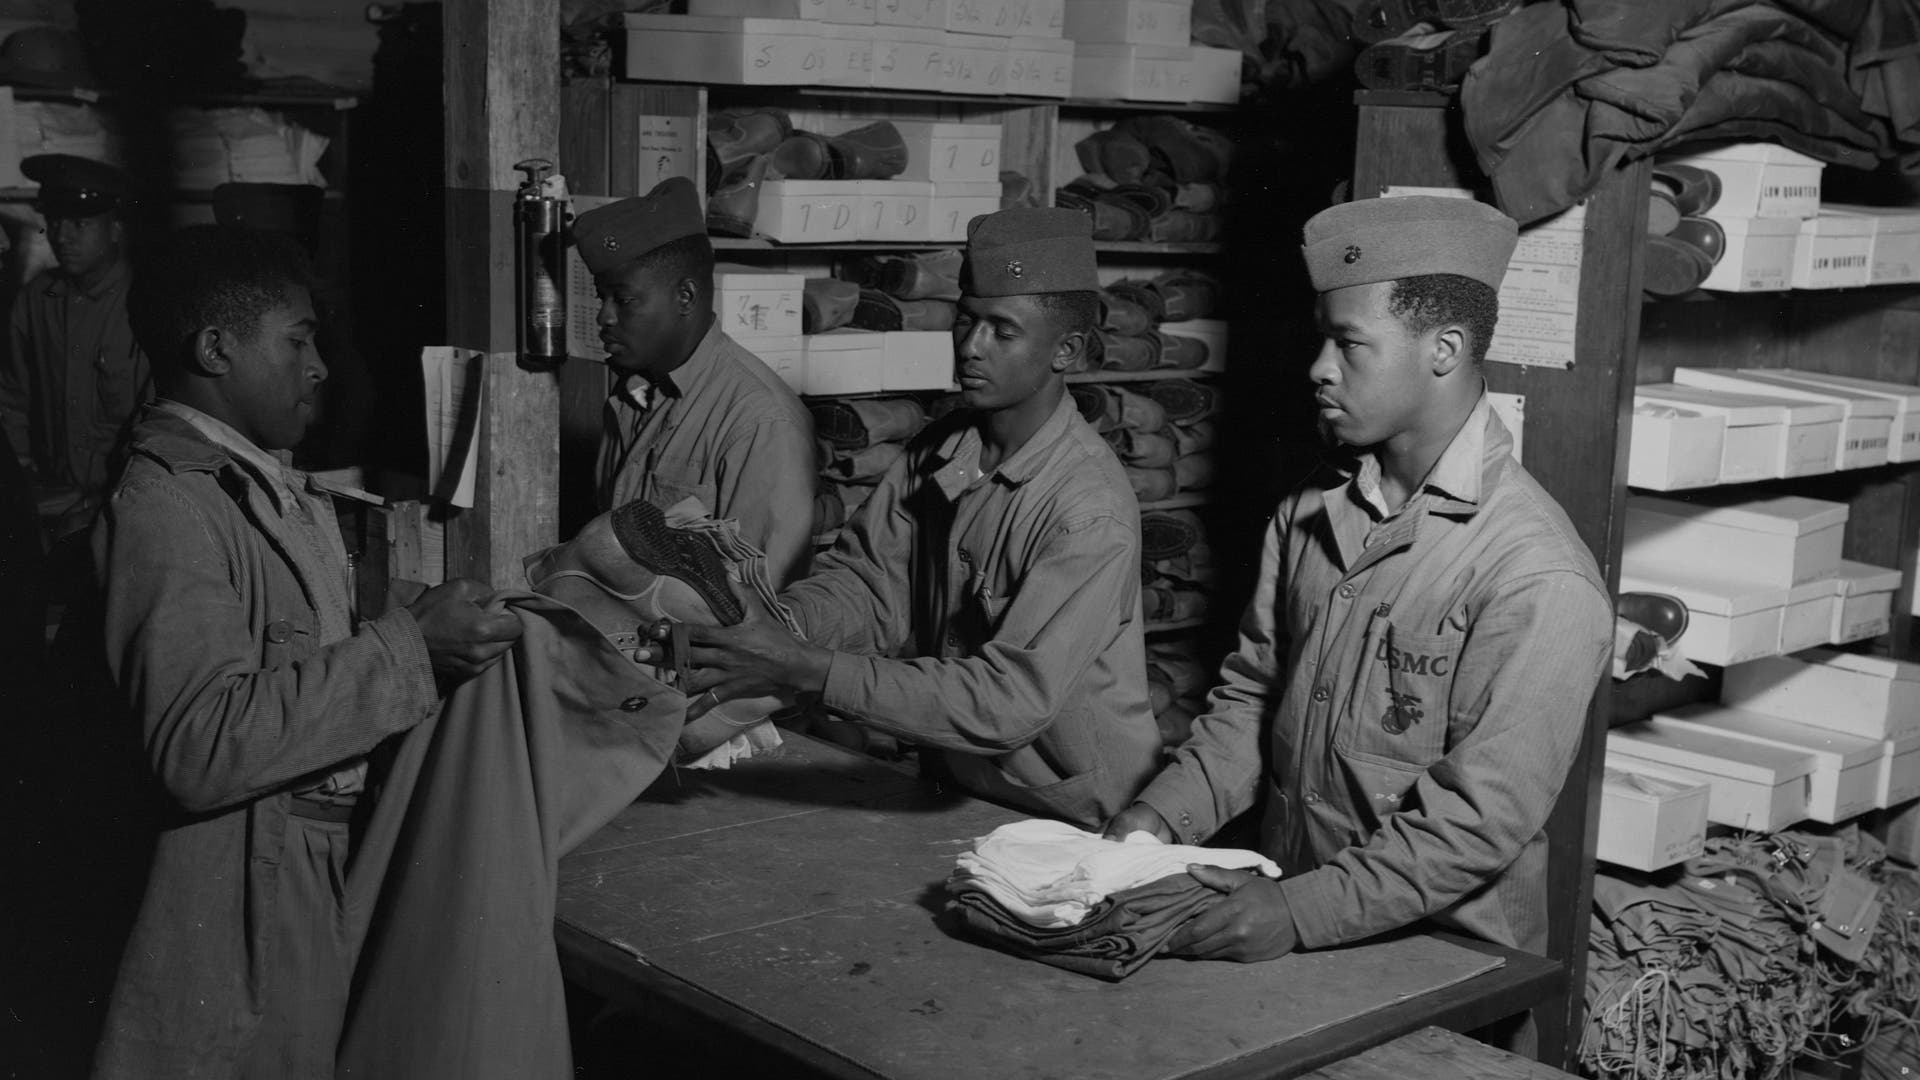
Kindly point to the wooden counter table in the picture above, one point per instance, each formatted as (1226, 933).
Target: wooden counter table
(786, 914)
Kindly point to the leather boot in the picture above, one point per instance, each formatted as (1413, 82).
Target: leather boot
(873, 152)
(733, 208)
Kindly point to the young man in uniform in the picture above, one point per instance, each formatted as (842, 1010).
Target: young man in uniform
(694, 414)
(984, 603)
(229, 630)
(74, 374)
(1414, 670)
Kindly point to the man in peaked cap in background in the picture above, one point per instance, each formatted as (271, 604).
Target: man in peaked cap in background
(74, 374)
(984, 603)
(1426, 635)
(694, 413)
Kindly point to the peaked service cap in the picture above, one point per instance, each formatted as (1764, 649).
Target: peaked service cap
(1026, 250)
(75, 187)
(623, 231)
(1383, 239)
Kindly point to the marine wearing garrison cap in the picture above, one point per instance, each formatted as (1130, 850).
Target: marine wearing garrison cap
(1371, 240)
(620, 232)
(1024, 251)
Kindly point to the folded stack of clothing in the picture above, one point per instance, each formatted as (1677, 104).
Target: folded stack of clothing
(1413, 45)
(1156, 178)
(1728, 967)
(859, 439)
(1070, 898)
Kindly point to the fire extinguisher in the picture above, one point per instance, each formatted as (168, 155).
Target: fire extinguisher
(539, 215)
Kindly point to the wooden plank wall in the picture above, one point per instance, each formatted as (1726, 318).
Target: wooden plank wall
(502, 69)
(1575, 445)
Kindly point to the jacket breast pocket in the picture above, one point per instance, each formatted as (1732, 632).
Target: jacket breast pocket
(1397, 714)
(671, 481)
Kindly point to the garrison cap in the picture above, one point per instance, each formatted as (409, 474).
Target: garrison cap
(75, 187)
(1026, 250)
(623, 231)
(1383, 239)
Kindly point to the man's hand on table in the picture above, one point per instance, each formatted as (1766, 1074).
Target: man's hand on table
(1139, 818)
(1251, 920)
(756, 657)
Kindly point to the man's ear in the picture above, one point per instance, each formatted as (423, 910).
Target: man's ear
(686, 297)
(208, 356)
(1449, 348)
(1068, 351)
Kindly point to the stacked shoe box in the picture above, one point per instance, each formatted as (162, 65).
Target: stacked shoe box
(1868, 698)
(1649, 821)
(1766, 193)
(858, 180)
(1830, 426)
(761, 311)
(1893, 254)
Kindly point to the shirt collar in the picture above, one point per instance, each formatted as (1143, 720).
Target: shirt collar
(115, 277)
(962, 447)
(1458, 476)
(696, 369)
(277, 475)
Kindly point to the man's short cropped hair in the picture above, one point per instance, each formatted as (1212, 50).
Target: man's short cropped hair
(1431, 300)
(687, 257)
(1078, 311)
(210, 275)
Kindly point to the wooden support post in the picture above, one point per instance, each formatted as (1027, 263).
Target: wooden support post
(502, 71)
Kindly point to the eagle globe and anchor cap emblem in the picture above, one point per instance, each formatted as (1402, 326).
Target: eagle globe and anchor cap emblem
(1015, 269)
(1353, 253)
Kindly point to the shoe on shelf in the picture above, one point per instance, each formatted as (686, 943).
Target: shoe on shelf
(734, 207)
(1423, 58)
(1115, 153)
(1379, 20)
(1704, 233)
(1189, 153)
(802, 155)
(827, 304)
(1017, 190)
(873, 152)
(878, 311)
(1122, 315)
(733, 137)
(1657, 612)
(1693, 190)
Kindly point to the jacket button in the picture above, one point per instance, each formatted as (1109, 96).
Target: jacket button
(1346, 591)
(1320, 693)
(1383, 611)
(280, 631)
(633, 704)
(966, 556)
(1313, 796)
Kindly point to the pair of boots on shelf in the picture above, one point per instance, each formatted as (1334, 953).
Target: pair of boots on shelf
(1162, 432)
(1155, 178)
(1128, 337)
(1422, 44)
(908, 292)
(1683, 243)
(747, 148)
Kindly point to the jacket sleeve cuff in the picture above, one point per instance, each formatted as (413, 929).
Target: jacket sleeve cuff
(402, 637)
(844, 691)
(1191, 823)
(1313, 916)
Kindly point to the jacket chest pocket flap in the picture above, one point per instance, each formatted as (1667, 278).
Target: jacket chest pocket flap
(1397, 713)
(285, 640)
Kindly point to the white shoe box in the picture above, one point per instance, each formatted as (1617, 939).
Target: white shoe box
(1131, 22)
(1755, 447)
(1896, 242)
(1040, 67)
(847, 53)
(993, 18)
(1132, 72)
(1777, 542)
(1866, 426)
(752, 303)
(957, 203)
(894, 210)
(1759, 255)
(1673, 447)
(916, 14)
(1728, 622)
(785, 354)
(1649, 821)
(845, 362)
(1835, 252)
(909, 57)
(852, 12)
(975, 64)
(1813, 425)
(1846, 768)
(1903, 438)
(942, 151)
(719, 49)
(1216, 75)
(1899, 780)
(1753, 786)
(809, 211)
(1868, 696)
(1761, 180)
(1806, 619)
(917, 360)
(1862, 602)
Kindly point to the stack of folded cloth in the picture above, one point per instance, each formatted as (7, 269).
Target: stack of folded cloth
(1054, 893)
(1162, 432)
(1154, 178)
(859, 439)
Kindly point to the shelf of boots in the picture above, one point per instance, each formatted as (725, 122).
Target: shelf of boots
(766, 94)
(1116, 247)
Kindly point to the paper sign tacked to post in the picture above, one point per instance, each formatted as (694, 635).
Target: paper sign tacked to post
(1540, 296)
(664, 146)
(455, 380)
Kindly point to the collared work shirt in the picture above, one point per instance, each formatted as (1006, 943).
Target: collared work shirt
(724, 429)
(996, 618)
(72, 379)
(1411, 689)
